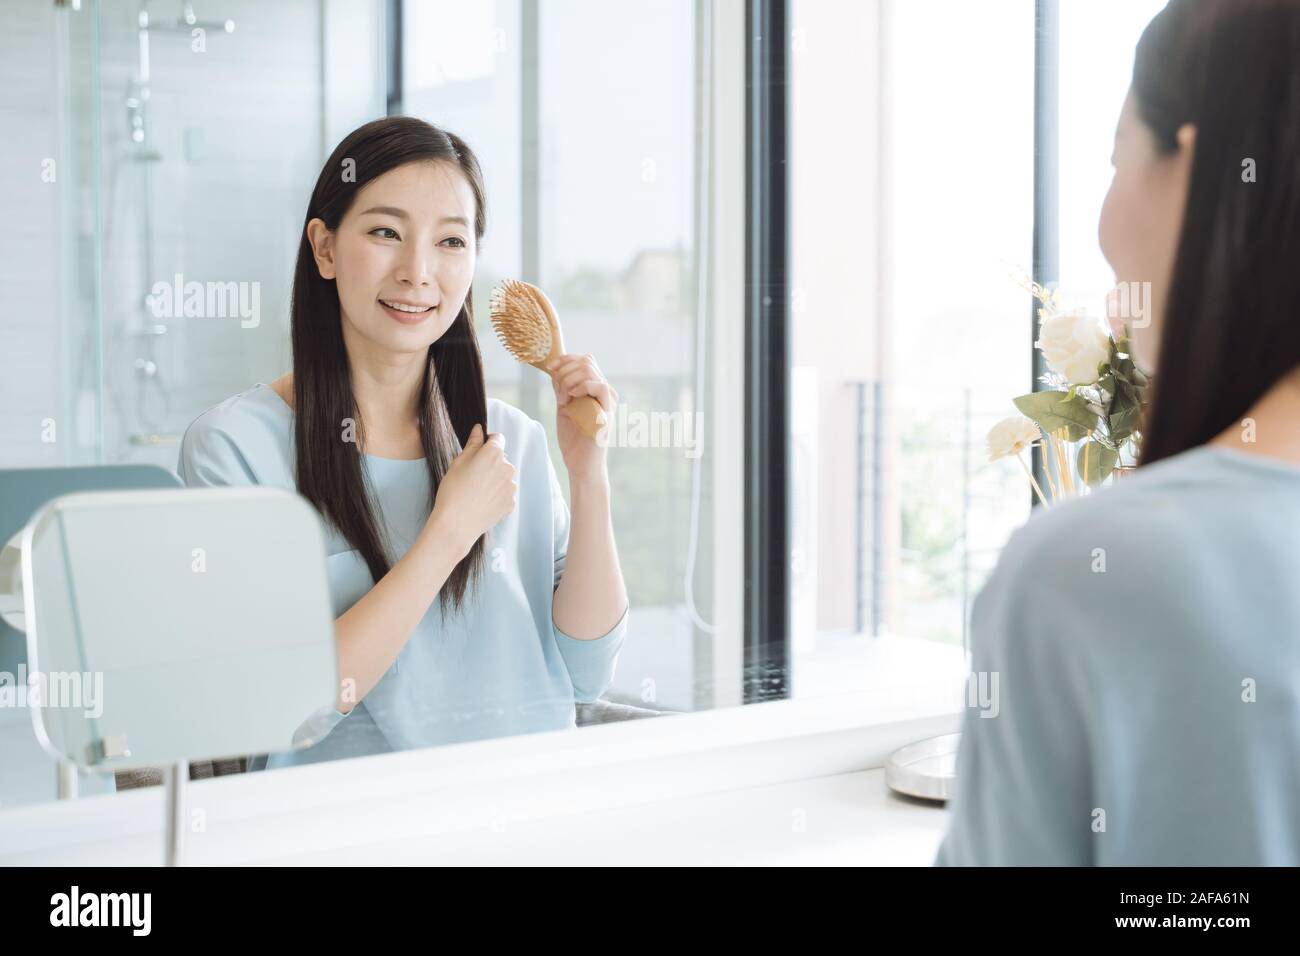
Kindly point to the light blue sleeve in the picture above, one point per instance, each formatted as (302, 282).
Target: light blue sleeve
(1023, 790)
(317, 727)
(211, 457)
(590, 663)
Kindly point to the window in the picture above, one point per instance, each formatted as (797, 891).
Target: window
(911, 172)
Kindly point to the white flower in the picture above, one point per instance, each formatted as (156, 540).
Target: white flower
(1074, 344)
(1011, 436)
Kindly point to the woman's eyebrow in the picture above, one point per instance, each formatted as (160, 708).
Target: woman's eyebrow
(402, 214)
(387, 211)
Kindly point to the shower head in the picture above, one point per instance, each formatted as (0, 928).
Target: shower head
(185, 26)
(185, 23)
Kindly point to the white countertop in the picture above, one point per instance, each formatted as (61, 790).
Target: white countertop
(847, 819)
(787, 782)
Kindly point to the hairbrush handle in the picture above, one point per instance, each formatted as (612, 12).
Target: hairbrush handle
(585, 412)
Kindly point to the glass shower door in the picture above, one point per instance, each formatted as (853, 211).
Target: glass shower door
(194, 133)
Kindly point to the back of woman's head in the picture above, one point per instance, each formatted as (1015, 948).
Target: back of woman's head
(1231, 321)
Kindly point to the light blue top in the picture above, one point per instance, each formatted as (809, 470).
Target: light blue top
(497, 667)
(1146, 641)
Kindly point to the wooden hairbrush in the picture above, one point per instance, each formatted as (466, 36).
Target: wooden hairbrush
(526, 323)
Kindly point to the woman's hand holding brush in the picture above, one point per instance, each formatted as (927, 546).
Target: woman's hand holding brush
(528, 326)
(578, 377)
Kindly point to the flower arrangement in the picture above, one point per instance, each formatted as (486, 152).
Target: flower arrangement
(1090, 413)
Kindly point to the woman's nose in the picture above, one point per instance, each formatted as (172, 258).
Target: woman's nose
(416, 268)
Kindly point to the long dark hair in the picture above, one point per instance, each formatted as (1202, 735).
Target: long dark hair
(1232, 315)
(453, 399)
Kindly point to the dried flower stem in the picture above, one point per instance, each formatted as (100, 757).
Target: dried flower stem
(1086, 448)
(1030, 475)
(1067, 479)
(1048, 458)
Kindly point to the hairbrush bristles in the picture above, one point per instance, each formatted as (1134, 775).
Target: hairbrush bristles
(526, 323)
(520, 322)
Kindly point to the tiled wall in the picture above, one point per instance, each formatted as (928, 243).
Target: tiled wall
(31, 334)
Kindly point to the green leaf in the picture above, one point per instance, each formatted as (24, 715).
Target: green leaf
(1124, 419)
(1122, 395)
(1053, 410)
(1101, 461)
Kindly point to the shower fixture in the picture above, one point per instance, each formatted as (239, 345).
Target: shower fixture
(152, 414)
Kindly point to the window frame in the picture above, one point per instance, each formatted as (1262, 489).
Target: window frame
(767, 350)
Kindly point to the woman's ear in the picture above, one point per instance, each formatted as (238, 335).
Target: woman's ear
(322, 247)
(1182, 159)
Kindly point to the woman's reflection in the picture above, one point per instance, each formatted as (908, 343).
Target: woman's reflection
(429, 489)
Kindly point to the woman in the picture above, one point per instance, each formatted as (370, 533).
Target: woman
(428, 489)
(1147, 638)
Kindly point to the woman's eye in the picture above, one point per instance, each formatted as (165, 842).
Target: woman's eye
(459, 243)
(385, 229)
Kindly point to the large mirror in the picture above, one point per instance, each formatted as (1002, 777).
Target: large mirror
(260, 246)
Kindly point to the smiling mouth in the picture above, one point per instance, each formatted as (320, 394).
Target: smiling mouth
(406, 307)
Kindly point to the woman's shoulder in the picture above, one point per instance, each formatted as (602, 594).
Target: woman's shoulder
(1168, 571)
(1152, 533)
(255, 411)
(1078, 577)
(1150, 509)
(1101, 508)
(513, 423)
(244, 438)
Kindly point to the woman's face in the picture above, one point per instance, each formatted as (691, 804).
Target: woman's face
(408, 240)
(1140, 223)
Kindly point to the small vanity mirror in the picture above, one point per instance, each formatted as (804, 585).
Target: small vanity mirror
(172, 625)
